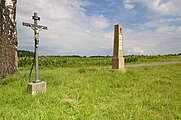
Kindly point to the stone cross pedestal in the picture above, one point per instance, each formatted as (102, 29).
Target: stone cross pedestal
(118, 59)
(36, 88)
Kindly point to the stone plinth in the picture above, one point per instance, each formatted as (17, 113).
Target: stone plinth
(118, 63)
(35, 88)
(118, 59)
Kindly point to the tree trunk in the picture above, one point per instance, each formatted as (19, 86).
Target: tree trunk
(8, 38)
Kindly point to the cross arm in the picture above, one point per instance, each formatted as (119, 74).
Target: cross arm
(26, 24)
(38, 26)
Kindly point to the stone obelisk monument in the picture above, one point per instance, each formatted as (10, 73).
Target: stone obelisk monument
(118, 59)
(8, 38)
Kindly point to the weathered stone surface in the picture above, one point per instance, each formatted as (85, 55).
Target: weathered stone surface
(8, 38)
(118, 59)
(118, 63)
(35, 88)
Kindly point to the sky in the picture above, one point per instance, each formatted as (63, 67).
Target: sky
(85, 27)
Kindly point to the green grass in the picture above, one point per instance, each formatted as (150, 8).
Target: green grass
(152, 59)
(95, 93)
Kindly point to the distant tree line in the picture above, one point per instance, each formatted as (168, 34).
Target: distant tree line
(25, 53)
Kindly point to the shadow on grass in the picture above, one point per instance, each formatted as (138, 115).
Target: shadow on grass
(9, 79)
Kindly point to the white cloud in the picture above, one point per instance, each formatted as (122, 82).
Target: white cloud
(178, 30)
(99, 22)
(128, 5)
(137, 51)
(70, 30)
(156, 7)
(159, 32)
(162, 39)
(161, 7)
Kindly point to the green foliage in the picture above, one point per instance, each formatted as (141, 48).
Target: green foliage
(149, 59)
(65, 62)
(93, 61)
(129, 59)
(25, 53)
(95, 93)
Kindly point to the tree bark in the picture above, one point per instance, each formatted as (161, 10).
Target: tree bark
(8, 38)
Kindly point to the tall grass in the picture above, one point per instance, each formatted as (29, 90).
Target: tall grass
(95, 93)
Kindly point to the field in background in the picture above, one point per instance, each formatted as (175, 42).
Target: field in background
(77, 61)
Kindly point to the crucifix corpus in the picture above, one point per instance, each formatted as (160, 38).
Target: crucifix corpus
(37, 85)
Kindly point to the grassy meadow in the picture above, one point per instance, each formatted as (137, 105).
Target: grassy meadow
(94, 93)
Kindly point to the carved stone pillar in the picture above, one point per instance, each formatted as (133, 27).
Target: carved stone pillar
(118, 59)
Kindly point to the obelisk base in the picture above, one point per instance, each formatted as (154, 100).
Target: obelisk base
(35, 88)
(118, 63)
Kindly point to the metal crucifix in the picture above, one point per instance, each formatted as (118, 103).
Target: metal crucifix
(36, 28)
